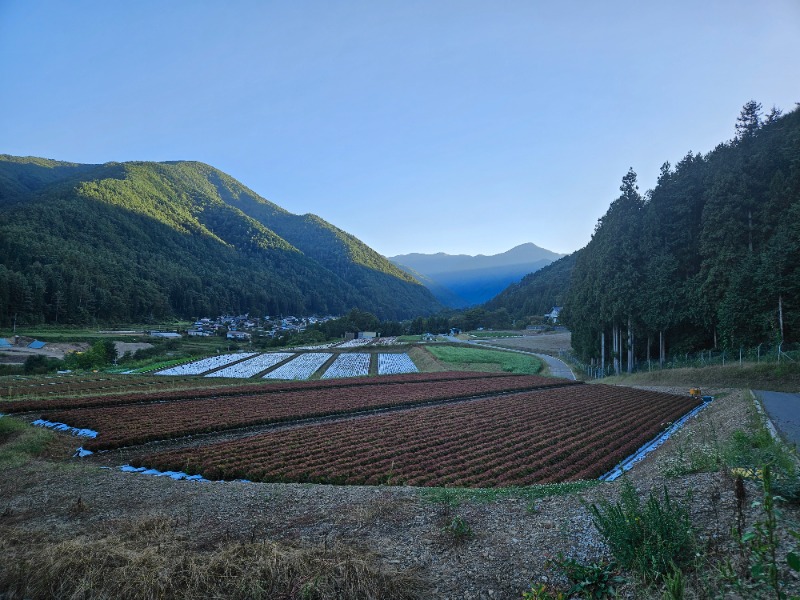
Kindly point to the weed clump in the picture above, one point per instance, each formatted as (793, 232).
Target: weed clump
(651, 539)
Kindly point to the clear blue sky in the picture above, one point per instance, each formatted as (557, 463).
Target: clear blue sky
(418, 126)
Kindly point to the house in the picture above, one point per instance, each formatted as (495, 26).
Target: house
(164, 334)
(238, 335)
(552, 316)
(366, 335)
(199, 333)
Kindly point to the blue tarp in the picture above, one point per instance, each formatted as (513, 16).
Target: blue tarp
(36, 344)
(4, 343)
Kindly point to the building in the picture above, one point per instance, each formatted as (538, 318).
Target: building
(238, 335)
(552, 316)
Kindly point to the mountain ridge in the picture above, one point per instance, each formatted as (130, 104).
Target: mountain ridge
(137, 240)
(462, 280)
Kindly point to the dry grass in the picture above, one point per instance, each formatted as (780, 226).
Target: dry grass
(768, 376)
(149, 558)
(425, 361)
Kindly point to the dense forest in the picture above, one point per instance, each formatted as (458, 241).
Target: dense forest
(709, 258)
(141, 242)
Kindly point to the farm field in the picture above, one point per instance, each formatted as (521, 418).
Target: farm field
(546, 436)
(61, 386)
(482, 359)
(131, 424)
(135, 390)
(348, 365)
(301, 366)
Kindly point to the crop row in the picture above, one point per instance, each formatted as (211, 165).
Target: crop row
(348, 365)
(206, 364)
(355, 343)
(391, 364)
(252, 366)
(210, 390)
(136, 423)
(73, 385)
(570, 433)
(301, 367)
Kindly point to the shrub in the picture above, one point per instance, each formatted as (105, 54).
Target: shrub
(458, 529)
(595, 580)
(650, 539)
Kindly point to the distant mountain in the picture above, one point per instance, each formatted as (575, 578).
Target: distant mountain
(537, 292)
(463, 280)
(139, 241)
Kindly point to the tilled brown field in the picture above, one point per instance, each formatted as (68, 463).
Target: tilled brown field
(394, 541)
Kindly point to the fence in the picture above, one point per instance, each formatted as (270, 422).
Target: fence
(761, 353)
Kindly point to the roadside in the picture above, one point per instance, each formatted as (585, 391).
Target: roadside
(784, 411)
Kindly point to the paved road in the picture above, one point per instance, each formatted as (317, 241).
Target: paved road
(558, 368)
(784, 411)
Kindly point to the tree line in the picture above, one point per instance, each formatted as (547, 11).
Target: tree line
(709, 258)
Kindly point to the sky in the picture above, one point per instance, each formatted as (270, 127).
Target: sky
(428, 126)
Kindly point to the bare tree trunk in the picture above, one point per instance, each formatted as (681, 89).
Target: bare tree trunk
(780, 315)
(603, 351)
(661, 352)
(630, 347)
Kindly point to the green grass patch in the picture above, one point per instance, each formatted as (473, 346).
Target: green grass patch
(479, 359)
(494, 334)
(455, 496)
(409, 338)
(20, 442)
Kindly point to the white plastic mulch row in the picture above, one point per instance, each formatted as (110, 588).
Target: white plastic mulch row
(170, 474)
(348, 365)
(302, 367)
(394, 364)
(355, 343)
(207, 364)
(628, 463)
(318, 346)
(387, 341)
(252, 366)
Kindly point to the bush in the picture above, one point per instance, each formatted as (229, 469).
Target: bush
(651, 540)
(595, 580)
(38, 364)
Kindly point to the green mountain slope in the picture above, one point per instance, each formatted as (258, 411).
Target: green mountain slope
(135, 241)
(537, 292)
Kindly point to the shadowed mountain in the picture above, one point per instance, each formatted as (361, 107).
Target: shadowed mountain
(463, 280)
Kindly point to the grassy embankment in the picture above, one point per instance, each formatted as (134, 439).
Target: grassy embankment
(780, 377)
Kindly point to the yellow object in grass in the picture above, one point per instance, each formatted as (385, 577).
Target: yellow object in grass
(747, 473)
(695, 392)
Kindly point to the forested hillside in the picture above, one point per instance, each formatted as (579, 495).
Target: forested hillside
(125, 242)
(710, 258)
(537, 292)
